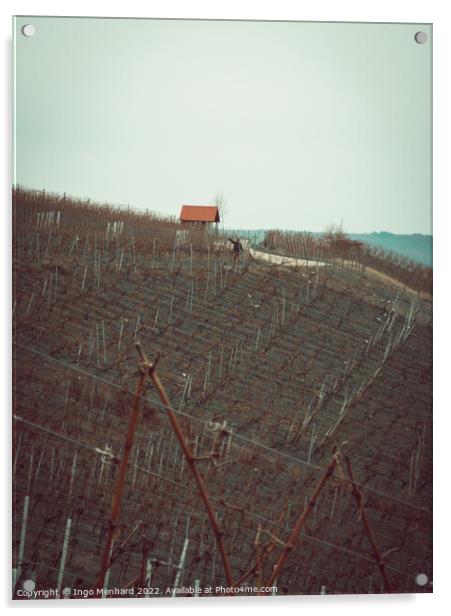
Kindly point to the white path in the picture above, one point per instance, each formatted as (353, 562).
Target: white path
(281, 260)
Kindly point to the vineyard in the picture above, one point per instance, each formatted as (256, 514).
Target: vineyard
(183, 419)
(335, 246)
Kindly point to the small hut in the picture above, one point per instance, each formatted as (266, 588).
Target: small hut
(201, 215)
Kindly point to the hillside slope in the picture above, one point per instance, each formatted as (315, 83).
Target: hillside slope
(270, 370)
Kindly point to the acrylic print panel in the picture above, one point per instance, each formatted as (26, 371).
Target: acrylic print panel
(222, 308)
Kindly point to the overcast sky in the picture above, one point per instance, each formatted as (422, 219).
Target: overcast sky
(299, 124)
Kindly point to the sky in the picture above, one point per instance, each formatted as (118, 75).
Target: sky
(299, 125)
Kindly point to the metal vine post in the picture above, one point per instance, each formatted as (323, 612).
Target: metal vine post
(120, 482)
(360, 505)
(291, 542)
(191, 460)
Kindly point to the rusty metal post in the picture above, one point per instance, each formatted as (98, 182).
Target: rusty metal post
(301, 521)
(360, 505)
(190, 458)
(120, 481)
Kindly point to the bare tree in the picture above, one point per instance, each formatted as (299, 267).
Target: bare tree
(335, 232)
(221, 204)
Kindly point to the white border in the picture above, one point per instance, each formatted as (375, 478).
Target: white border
(424, 11)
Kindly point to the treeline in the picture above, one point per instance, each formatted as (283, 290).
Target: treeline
(336, 246)
(409, 272)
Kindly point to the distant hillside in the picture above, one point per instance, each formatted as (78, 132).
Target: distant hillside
(416, 246)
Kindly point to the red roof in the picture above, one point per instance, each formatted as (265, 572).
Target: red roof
(199, 213)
